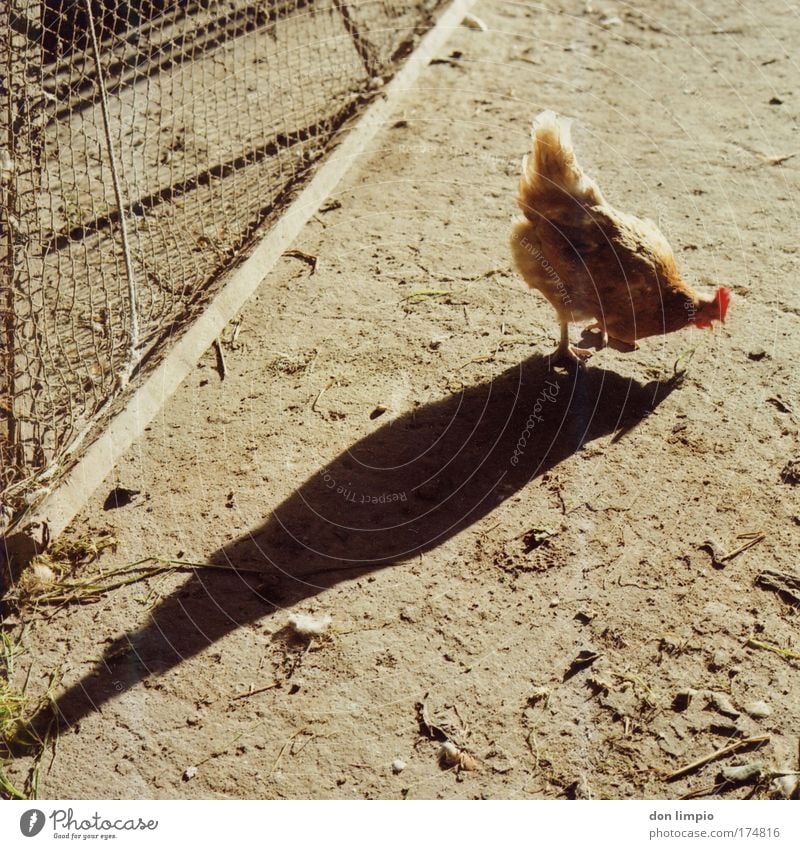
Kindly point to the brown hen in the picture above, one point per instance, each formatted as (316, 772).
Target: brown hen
(592, 261)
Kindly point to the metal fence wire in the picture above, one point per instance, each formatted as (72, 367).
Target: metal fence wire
(144, 142)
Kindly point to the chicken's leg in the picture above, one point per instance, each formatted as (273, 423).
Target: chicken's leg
(567, 354)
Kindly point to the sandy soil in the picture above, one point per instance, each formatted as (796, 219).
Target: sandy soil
(544, 614)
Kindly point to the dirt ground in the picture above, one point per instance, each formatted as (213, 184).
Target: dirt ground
(548, 615)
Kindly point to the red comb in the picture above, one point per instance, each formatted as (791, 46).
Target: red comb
(723, 299)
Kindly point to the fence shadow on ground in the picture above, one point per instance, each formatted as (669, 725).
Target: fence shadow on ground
(399, 492)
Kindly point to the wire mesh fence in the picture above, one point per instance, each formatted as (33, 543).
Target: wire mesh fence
(144, 144)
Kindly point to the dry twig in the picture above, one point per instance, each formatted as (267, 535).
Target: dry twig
(753, 643)
(248, 693)
(719, 753)
(221, 367)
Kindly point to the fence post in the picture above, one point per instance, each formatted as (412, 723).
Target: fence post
(7, 205)
(364, 48)
(133, 352)
(21, 151)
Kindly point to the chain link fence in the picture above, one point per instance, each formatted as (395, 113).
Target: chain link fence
(145, 143)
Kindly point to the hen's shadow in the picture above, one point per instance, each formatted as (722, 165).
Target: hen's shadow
(404, 489)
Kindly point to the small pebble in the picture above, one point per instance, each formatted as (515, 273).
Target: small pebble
(398, 766)
(740, 774)
(757, 354)
(409, 614)
(189, 773)
(468, 763)
(42, 573)
(449, 752)
(474, 22)
(758, 710)
(719, 660)
(723, 704)
(788, 785)
(451, 755)
(378, 411)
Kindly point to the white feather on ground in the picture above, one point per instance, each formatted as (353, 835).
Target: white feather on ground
(309, 626)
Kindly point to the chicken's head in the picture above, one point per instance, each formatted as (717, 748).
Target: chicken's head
(714, 309)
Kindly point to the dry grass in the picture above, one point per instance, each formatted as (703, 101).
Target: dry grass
(17, 711)
(57, 578)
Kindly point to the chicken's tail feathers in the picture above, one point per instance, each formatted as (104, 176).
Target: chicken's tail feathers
(551, 174)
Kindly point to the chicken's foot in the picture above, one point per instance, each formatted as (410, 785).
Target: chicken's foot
(598, 325)
(566, 354)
